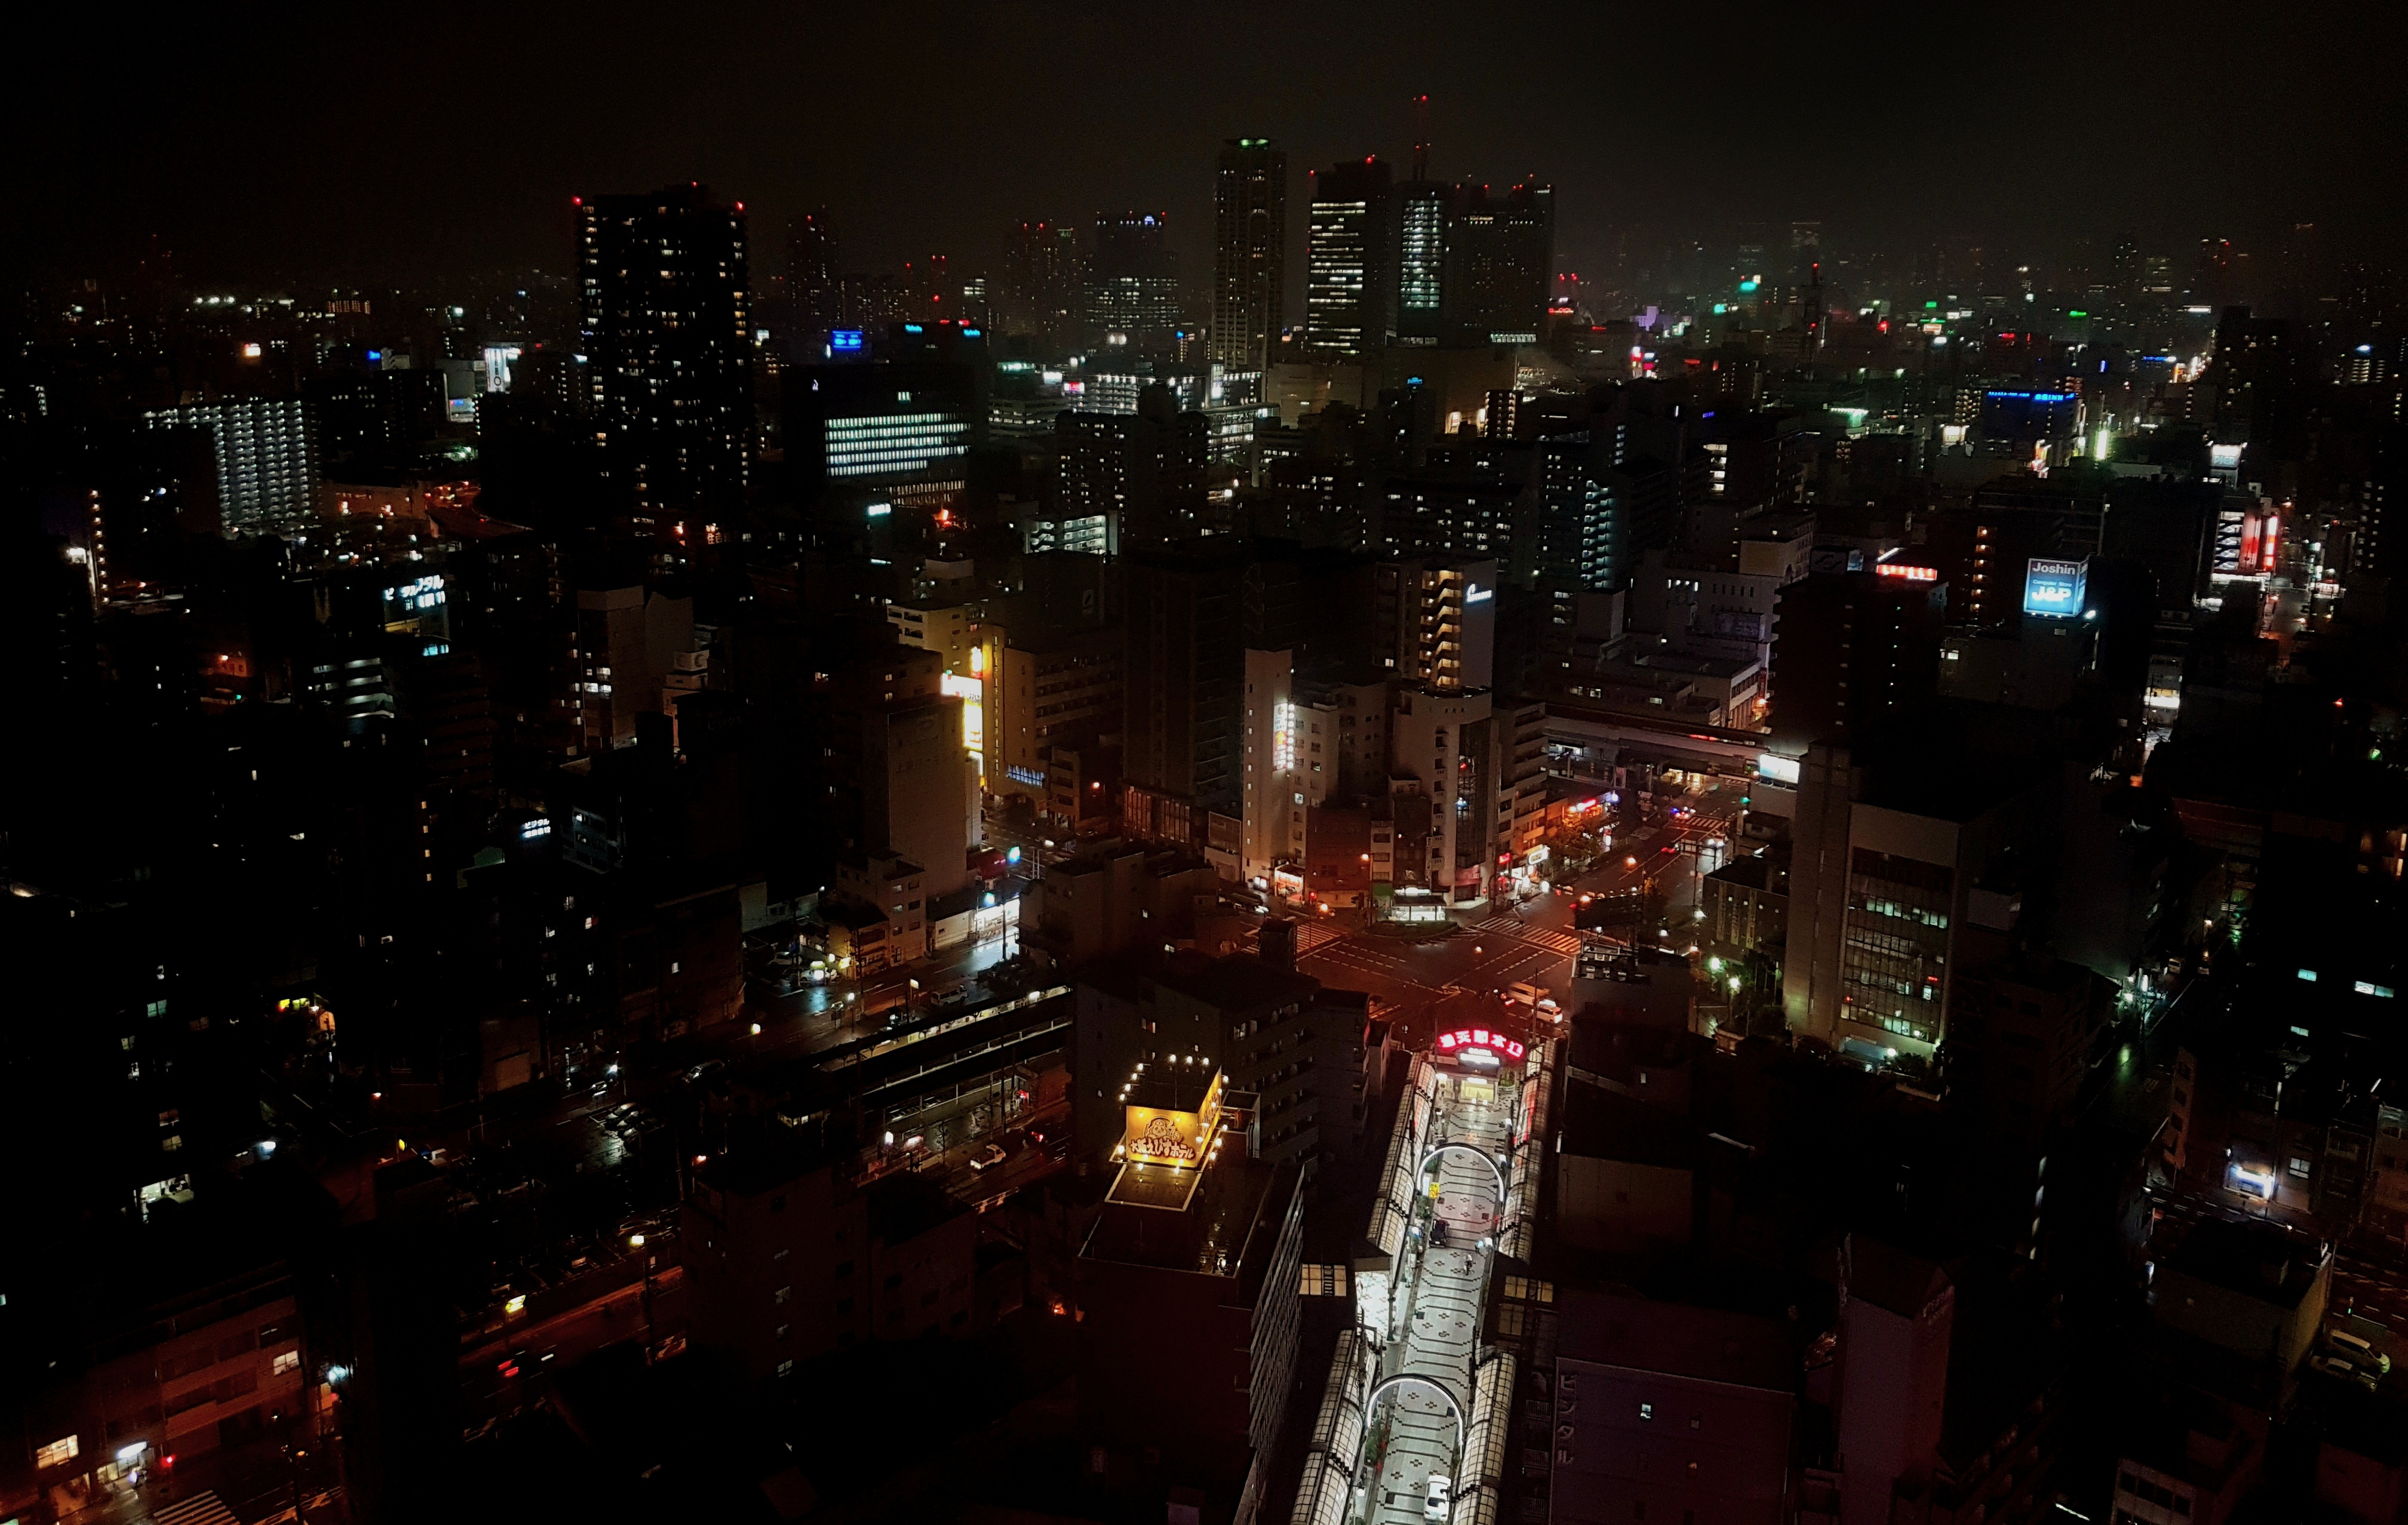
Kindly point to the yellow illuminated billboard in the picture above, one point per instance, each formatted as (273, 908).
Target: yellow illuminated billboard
(1160, 1135)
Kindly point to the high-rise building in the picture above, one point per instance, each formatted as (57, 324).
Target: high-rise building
(1422, 207)
(1435, 621)
(1142, 473)
(267, 469)
(903, 424)
(1347, 304)
(1249, 252)
(1132, 288)
(814, 290)
(1040, 293)
(1853, 649)
(1193, 612)
(667, 332)
(1499, 265)
(1887, 897)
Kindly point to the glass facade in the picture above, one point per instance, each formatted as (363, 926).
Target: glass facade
(1896, 952)
(894, 444)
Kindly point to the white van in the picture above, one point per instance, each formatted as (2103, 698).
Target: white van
(1522, 992)
(1440, 1487)
(2359, 1349)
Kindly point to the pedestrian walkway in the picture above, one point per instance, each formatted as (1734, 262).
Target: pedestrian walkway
(1555, 940)
(202, 1508)
(1441, 1334)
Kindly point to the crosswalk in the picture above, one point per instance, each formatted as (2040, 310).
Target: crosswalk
(1312, 935)
(1554, 939)
(202, 1508)
(1308, 935)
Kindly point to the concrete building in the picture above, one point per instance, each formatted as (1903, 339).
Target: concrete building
(1892, 868)
(1348, 306)
(1249, 252)
(628, 640)
(1853, 651)
(667, 332)
(1047, 691)
(1666, 1411)
(790, 1260)
(265, 455)
(1188, 1283)
(1275, 1033)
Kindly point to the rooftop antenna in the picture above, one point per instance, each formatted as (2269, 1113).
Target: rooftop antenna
(1421, 137)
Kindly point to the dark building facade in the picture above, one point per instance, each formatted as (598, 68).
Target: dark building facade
(667, 329)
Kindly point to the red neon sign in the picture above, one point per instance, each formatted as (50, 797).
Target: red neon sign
(1478, 1037)
(1911, 574)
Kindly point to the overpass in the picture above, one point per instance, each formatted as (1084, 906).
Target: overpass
(1702, 748)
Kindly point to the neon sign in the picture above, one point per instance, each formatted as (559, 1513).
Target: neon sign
(2054, 587)
(845, 341)
(1283, 737)
(1911, 574)
(1481, 1038)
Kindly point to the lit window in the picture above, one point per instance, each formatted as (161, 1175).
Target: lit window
(285, 1362)
(58, 1453)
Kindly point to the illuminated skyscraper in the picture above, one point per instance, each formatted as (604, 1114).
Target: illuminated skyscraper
(1420, 217)
(1132, 284)
(266, 472)
(1347, 309)
(667, 334)
(1249, 252)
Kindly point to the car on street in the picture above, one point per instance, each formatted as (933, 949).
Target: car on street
(2358, 1349)
(1434, 1503)
(2347, 1370)
(988, 1157)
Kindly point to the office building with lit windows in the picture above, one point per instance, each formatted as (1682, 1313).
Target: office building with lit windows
(266, 465)
(666, 332)
(1499, 265)
(1895, 865)
(1422, 209)
(1132, 285)
(904, 424)
(1346, 285)
(1249, 252)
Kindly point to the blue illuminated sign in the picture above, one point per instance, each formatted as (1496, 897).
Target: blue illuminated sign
(969, 333)
(376, 354)
(844, 340)
(2053, 589)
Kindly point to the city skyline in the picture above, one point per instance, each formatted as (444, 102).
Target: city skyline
(1235, 766)
(1651, 134)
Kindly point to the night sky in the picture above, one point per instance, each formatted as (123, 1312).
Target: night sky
(382, 143)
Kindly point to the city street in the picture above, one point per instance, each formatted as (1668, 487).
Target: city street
(1432, 986)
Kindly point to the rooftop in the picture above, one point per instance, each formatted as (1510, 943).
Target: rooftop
(2253, 1258)
(1234, 1212)
(1706, 1345)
